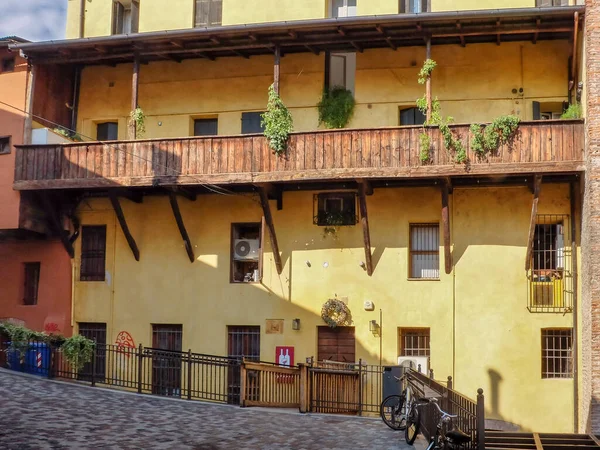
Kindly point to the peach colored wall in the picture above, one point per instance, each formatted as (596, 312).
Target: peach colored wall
(12, 91)
(54, 291)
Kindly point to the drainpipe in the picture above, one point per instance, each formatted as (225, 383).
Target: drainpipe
(574, 203)
(81, 18)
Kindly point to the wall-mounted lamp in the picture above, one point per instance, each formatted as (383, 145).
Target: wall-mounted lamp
(374, 327)
(296, 324)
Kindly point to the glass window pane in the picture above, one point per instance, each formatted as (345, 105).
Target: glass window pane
(337, 71)
(425, 266)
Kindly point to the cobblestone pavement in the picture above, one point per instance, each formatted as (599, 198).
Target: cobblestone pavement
(36, 413)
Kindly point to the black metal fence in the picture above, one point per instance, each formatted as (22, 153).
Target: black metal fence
(146, 370)
(471, 414)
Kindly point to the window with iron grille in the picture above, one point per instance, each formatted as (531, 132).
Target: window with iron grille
(557, 353)
(414, 341)
(424, 251)
(32, 280)
(93, 253)
(4, 145)
(209, 13)
(334, 209)
(550, 276)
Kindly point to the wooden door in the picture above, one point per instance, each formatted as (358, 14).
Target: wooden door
(166, 359)
(336, 344)
(242, 342)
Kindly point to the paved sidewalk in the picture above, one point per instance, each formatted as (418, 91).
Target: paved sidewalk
(41, 414)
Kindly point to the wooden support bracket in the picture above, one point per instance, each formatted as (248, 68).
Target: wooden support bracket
(183, 192)
(364, 219)
(133, 196)
(264, 202)
(54, 222)
(446, 225)
(114, 200)
(366, 184)
(184, 234)
(537, 185)
(276, 69)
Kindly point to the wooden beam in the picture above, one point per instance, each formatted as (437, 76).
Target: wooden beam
(182, 191)
(238, 53)
(276, 69)
(537, 184)
(356, 46)
(428, 82)
(184, 234)
(446, 225)
(114, 200)
(462, 37)
(54, 222)
(364, 219)
(133, 196)
(538, 442)
(536, 34)
(574, 59)
(366, 184)
(132, 131)
(313, 49)
(264, 202)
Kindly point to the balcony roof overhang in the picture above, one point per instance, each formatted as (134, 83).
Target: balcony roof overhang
(341, 34)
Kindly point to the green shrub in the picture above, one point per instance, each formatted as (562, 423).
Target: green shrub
(277, 122)
(336, 107)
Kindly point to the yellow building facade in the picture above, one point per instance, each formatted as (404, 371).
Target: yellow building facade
(479, 327)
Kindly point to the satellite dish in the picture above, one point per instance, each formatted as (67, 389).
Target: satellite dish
(242, 248)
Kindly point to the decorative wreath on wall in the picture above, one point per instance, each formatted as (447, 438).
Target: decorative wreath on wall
(336, 313)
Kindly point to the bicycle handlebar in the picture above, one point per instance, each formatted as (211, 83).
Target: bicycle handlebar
(442, 412)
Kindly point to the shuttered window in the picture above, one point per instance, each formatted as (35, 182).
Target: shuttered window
(411, 116)
(414, 6)
(32, 280)
(107, 131)
(252, 122)
(209, 13)
(206, 127)
(425, 251)
(93, 253)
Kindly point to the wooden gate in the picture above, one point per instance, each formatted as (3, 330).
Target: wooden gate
(335, 387)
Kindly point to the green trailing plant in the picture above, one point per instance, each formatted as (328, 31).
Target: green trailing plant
(574, 111)
(336, 107)
(333, 220)
(451, 142)
(77, 349)
(138, 118)
(68, 134)
(487, 139)
(277, 123)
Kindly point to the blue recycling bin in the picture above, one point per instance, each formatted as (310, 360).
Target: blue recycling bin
(13, 359)
(37, 359)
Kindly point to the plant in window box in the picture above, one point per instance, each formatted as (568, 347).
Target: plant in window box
(333, 220)
(336, 107)
(277, 122)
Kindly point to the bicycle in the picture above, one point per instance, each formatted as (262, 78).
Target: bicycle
(393, 408)
(447, 435)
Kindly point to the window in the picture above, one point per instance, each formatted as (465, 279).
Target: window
(125, 16)
(335, 209)
(414, 6)
(425, 251)
(107, 131)
(245, 253)
(252, 122)
(4, 145)
(32, 280)
(342, 67)
(557, 353)
(343, 8)
(546, 3)
(551, 281)
(93, 253)
(548, 110)
(206, 127)
(97, 333)
(414, 341)
(208, 13)
(8, 65)
(411, 116)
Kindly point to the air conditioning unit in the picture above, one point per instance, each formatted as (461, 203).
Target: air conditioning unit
(414, 361)
(246, 250)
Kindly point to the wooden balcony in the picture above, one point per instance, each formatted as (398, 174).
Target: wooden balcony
(380, 153)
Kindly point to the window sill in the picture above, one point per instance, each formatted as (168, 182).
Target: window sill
(423, 279)
(245, 282)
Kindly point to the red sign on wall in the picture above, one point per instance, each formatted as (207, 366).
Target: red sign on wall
(284, 356)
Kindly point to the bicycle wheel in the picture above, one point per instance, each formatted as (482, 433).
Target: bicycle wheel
(412, 425)
(393, 412)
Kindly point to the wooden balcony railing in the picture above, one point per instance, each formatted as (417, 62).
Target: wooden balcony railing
(538, 147)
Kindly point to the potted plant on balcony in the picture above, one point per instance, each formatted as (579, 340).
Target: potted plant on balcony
(336, 107)
(487, 139)
(277, 122)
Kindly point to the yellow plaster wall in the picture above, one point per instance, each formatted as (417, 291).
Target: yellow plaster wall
(241, 11)
(481, 306)
(98, 18)
(156, 15)
(473, 84)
